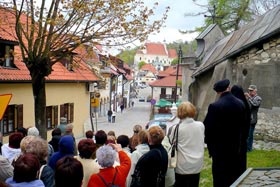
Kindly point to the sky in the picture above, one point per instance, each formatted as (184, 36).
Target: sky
(177, 21)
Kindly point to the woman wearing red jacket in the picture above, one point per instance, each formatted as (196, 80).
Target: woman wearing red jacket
(106, 156)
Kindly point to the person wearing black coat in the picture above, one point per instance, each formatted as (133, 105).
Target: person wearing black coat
(238, 92)
(223, 131)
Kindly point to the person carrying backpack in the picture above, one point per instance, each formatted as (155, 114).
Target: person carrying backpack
(151, 168)
(110, 176)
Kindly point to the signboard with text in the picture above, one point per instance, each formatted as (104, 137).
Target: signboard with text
(4, 102)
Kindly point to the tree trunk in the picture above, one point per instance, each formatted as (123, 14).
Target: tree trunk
(39, 93)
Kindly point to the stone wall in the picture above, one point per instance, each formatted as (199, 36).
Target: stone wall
(261, 65)
(267, 128)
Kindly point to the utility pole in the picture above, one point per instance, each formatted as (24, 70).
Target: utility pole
(177, 72)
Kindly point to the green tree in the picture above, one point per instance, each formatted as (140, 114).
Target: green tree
(50, 30)
(174, 61)
(231, 14)
(141, 64)
(127, 56)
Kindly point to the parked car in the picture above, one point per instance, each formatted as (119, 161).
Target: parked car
(157, 122)
(141, 99)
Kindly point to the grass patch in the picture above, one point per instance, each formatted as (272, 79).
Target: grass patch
(255, 159)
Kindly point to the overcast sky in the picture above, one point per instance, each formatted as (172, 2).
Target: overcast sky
(176, 20)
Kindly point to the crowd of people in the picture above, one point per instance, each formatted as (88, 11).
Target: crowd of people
(103, 159)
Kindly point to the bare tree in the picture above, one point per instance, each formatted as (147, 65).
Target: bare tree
(52, 30)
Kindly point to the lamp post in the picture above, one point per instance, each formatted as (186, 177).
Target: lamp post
(177, 69)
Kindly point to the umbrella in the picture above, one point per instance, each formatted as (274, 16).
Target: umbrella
(163, 103)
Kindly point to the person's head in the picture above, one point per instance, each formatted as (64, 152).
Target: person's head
(24, 142)
(56, 132)
(137, 128)
(39, 147)
(222, 86)
(111, 139)
(155, 135)
(106, 156)
(143, 137)
(252, 90)
(186, 110)
(123, 140)
(15, 139)
(69, 128)
(22, 130)
(86, 148)
(32, 131)
(66, 144)
(68, 172)
(111, 133)
(89, 134)
(238, 92)
(26, 168)
(63, 120)
(100, 137)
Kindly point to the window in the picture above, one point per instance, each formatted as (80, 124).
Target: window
(68, 62)
(12, 119)
(67, 111)
(7, 56)
(51, 117)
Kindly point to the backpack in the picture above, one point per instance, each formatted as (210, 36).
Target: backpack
(110, 184)
(137, 180)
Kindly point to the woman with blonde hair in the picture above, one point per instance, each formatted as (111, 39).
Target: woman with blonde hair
(190, 146)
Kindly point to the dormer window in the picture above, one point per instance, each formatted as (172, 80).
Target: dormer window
(68, 62)
(7, 56)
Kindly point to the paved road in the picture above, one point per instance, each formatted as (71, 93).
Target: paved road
(139, 114)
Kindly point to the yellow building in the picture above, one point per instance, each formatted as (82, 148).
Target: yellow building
(67, 88)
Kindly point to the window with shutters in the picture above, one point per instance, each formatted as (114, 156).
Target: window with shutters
(67, 111)
(51, 117)
(12, 119)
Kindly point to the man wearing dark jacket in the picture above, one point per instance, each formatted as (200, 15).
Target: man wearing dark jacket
(223, 124)
(254, 101)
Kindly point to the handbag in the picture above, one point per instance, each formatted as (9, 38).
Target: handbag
(172, 152)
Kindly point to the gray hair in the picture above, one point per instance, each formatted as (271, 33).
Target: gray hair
(106, 156)
(32, 131)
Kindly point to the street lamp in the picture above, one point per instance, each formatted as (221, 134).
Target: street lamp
(177, 69)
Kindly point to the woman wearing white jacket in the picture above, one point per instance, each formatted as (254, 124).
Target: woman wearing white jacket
(141, 149)
(190, 147)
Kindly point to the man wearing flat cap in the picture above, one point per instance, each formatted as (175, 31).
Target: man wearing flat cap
(223, 124)
(254, 101)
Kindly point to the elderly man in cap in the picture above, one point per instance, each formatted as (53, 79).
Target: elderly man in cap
(254, 101)
(223, 124)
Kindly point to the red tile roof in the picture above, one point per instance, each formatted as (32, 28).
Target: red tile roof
(165, 82)
(128, 77)
(155, 49)
(149, 67)
(81, 72)
(171, 70)
(158, 49)
(172, 53)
